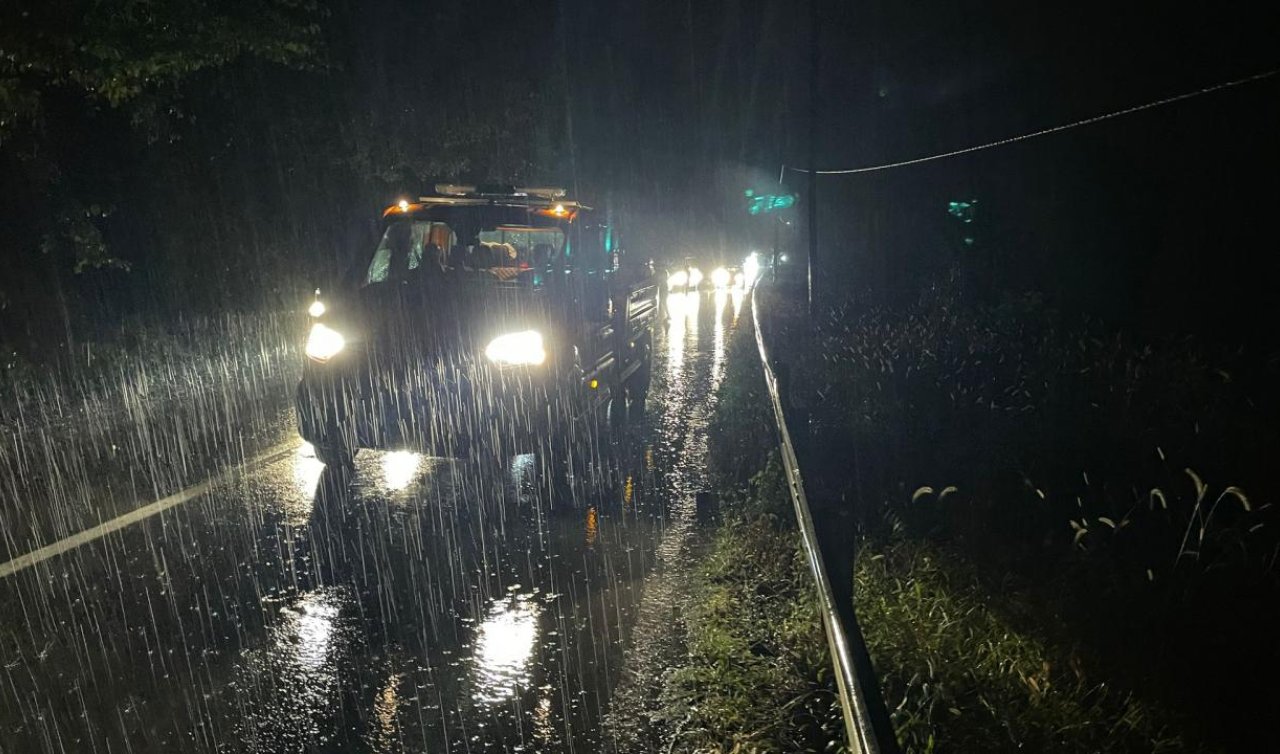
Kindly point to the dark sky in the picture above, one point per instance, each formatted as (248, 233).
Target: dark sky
(948, 75)
(1124, 218)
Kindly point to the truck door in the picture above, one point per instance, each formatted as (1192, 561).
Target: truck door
(595, 307)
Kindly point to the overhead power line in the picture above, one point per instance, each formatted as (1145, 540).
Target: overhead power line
(1054, 129)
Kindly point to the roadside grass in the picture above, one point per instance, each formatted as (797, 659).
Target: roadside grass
(758, 675)
(958, 675)
(1101, 502)
(960, 671)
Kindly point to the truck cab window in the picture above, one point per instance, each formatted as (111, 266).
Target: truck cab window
(407, 247)
(516, 246)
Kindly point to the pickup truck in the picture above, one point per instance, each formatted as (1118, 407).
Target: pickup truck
(488, 319)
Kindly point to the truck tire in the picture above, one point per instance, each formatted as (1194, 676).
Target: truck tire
(335, 449)
(571, 452)
(556, 459)
(637, 386)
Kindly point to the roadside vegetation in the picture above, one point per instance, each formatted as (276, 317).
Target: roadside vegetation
(757, 676)
(1069, 542)
(962, 674)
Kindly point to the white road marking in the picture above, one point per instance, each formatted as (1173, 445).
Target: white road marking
(34, 557)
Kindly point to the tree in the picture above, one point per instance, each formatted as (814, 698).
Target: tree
(70, 68)
(123, 51)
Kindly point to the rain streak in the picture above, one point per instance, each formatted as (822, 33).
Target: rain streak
(253, 599)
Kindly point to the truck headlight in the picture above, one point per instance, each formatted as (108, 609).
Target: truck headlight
(324, 342)
(721, 278)
(517, 349)
(678, 279)
(695, 277)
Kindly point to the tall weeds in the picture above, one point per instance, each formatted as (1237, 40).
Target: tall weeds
(1113, 492)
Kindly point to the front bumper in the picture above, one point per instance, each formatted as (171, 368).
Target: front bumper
(441, 408)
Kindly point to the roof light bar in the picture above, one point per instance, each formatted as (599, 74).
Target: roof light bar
(463, 189)
(454, 189)
(542, 192)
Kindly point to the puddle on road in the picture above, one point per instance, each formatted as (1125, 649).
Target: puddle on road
(503, 649)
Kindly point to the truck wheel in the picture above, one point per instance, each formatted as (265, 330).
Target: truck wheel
(637, 386)
(566, 459)
(616, 410)
(556, 465)
(335, 450)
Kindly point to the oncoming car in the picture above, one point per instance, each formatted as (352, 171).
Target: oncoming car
(486, 318)
(684, 277)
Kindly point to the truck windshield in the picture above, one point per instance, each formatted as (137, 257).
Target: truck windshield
(410, 246)
(427, 247)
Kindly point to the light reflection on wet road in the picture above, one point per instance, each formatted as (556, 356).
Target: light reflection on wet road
(425, 604)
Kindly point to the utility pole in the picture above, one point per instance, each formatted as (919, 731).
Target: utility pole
(813, 140)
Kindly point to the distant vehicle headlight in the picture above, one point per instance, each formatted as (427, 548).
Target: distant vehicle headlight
(317, 308)
(678, 279)
(695, 277)
(721, 278)
(517, 349)
(324, 342)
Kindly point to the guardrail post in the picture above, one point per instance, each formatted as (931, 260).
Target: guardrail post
(799, 415)
(782, 371)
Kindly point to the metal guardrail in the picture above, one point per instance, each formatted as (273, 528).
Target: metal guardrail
(865, 719)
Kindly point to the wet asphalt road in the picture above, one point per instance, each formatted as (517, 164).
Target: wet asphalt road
(421, 604)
